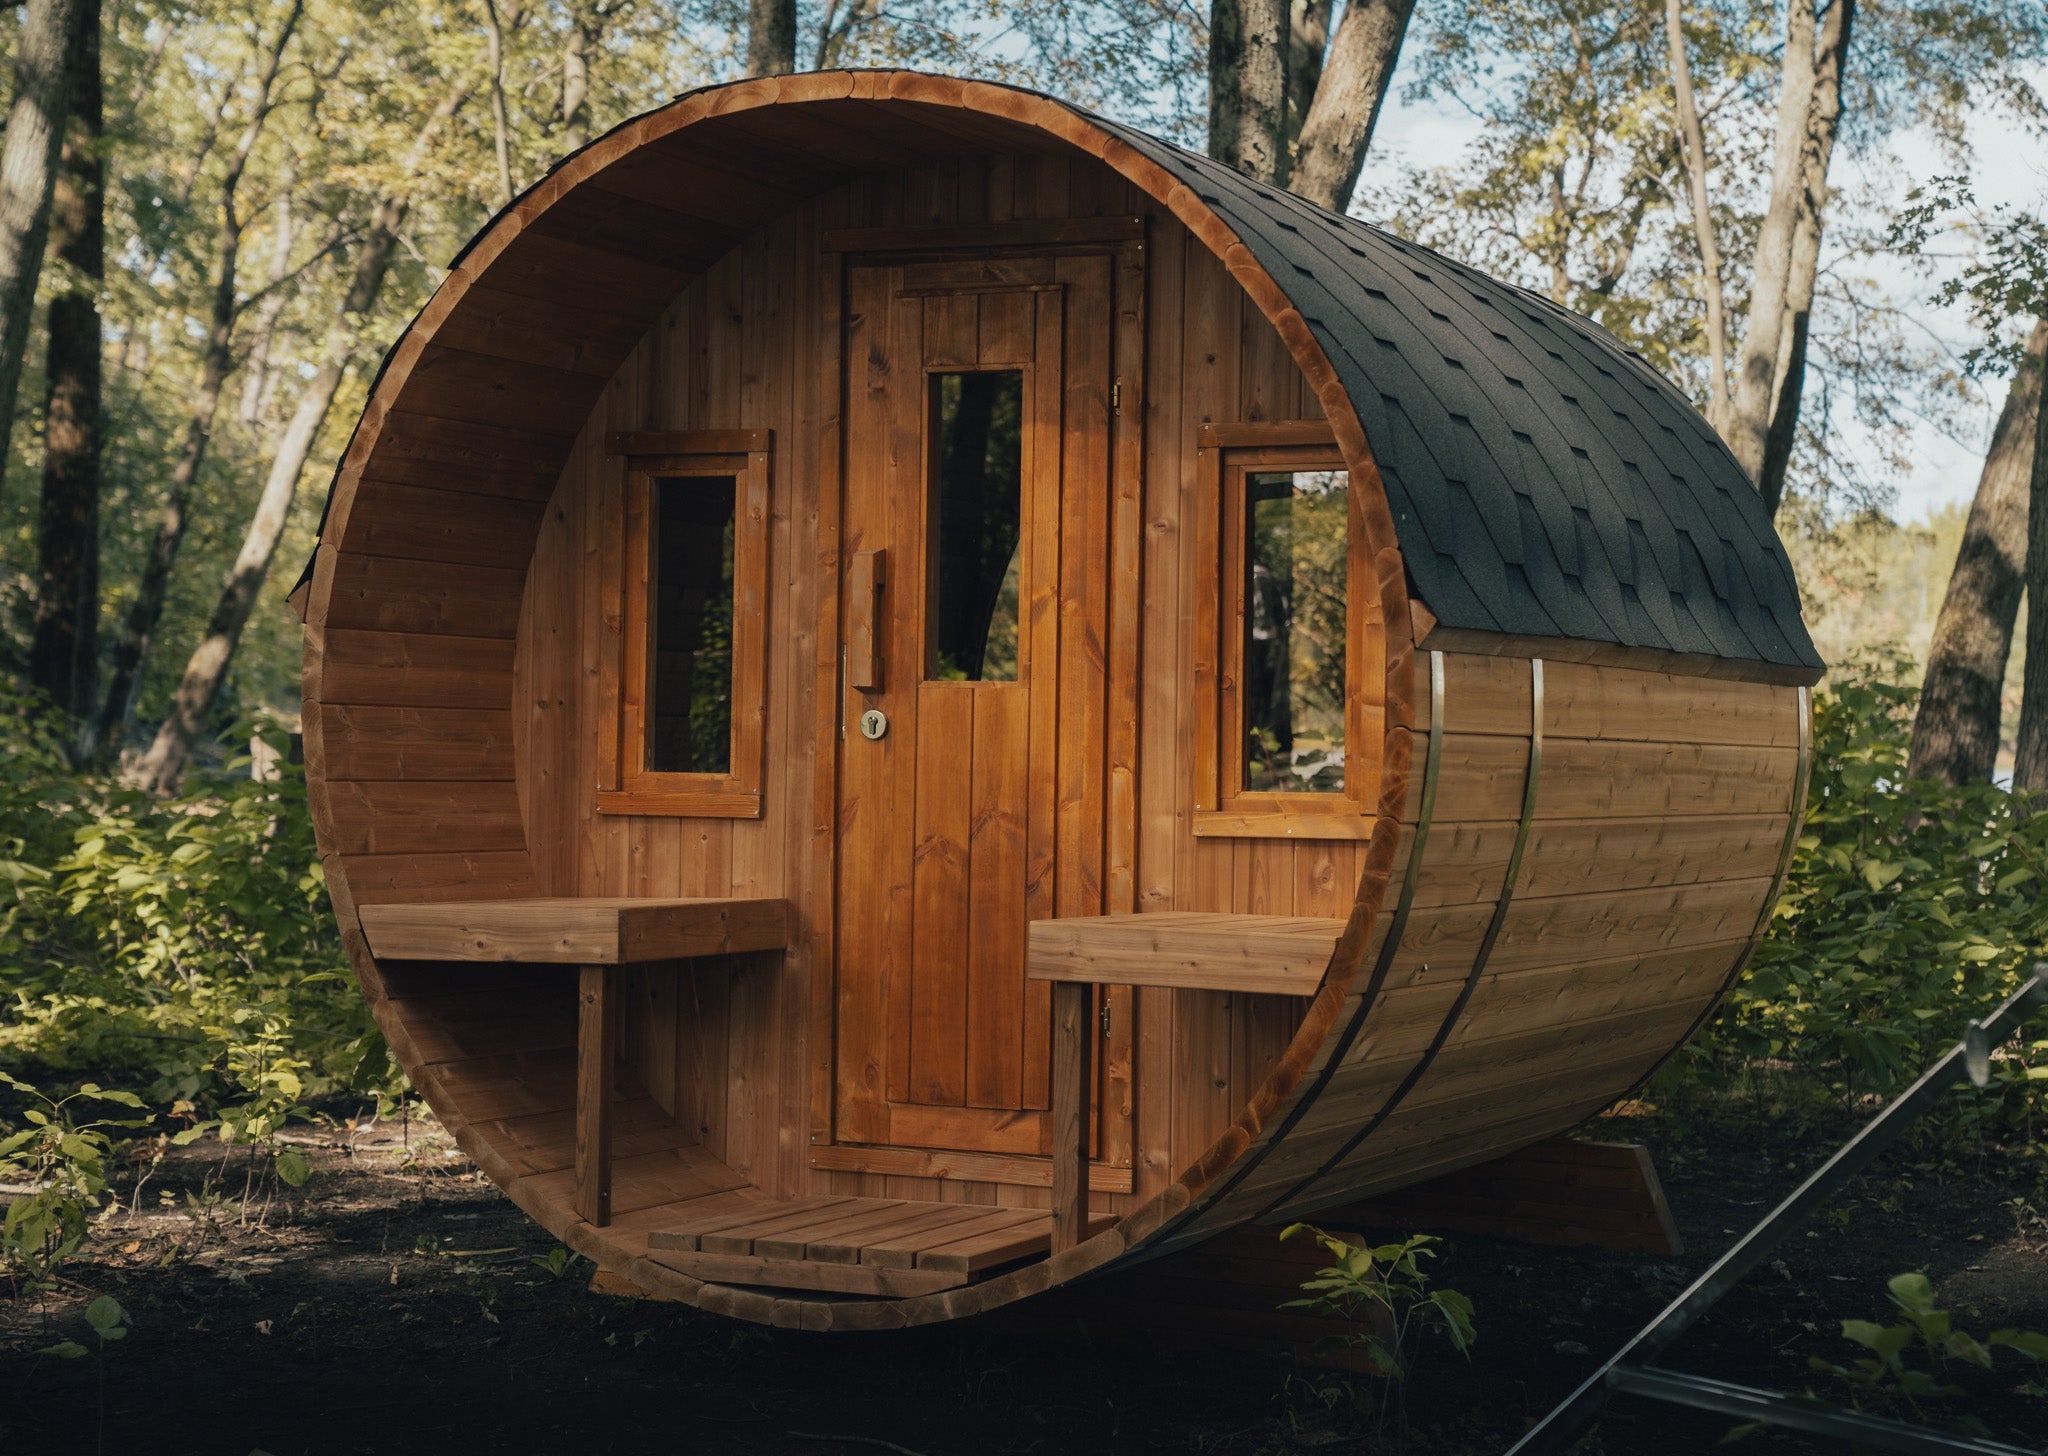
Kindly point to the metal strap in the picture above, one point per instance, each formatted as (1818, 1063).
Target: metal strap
(1432, 762)
(1485, 952)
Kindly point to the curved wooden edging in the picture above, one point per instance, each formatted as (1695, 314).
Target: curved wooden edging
(1319, 1040)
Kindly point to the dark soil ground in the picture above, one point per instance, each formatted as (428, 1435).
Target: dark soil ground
(395, 1305)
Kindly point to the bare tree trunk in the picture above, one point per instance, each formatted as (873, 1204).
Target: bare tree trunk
(1337, 130)
(1248, 87)
(28, 169)
(160, 768)
(494, 32)
(2030, 761)
(1955, 730)
(1308, 42)
(1806, 126)
(1695, 150)
(575, 103)
(1824, 126)
(771, 37)
(256, 367)
(131, 649)
(64, 654)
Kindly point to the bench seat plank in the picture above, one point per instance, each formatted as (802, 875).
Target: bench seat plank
(1282, 955)
(575, 930)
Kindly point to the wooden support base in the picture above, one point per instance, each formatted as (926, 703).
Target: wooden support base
(1605, 1195)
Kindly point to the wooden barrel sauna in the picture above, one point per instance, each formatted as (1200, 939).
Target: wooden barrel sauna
(911, 693)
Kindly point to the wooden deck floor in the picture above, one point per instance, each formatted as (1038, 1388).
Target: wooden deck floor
(888, 1246)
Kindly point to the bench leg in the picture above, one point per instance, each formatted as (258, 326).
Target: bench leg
(1070, 1059)
(597, 1018)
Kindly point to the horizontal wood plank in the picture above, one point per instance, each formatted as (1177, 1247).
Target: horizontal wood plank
(1283, 955)
(576, 930)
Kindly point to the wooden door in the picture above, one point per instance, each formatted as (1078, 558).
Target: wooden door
(974, 531)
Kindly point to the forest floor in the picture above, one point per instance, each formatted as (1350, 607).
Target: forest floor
(399, 1304)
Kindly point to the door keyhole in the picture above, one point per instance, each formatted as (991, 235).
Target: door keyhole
(873, 724)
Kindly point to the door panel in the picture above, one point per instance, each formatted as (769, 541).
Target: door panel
(977, 460)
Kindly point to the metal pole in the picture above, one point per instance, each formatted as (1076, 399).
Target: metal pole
(1752, 1248)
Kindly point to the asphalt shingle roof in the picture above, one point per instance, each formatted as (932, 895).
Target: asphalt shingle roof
(1544, 479)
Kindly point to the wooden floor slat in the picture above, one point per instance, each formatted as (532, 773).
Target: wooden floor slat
(850, 1244)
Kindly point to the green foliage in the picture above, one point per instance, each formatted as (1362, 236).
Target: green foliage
(1909, 909)
(1385, 1291)
(109, 1322)
(64, 1161)
(1910, 1359)
(183, 945)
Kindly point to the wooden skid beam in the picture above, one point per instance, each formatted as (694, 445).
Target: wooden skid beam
(1558, 1192)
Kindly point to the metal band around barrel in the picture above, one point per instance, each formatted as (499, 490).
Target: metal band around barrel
(1425, 813)
(1530, 782)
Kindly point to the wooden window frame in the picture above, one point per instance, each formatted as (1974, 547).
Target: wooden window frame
(625, 784)
(1224, 456)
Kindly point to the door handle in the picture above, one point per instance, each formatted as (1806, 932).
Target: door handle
(863, 644)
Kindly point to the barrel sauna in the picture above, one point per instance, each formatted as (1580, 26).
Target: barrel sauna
(912, 694)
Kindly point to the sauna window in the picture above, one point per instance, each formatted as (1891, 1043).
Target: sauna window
(975, 449)
(1296, 575)
(1283, 667)
(686, 666)
(689, 637)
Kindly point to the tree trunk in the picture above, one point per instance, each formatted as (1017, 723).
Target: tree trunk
(1824, 125)
(160, 768)
(131, 649)
(1955, 730)
(1695, 150)
(1248, 87)
(771, 37)
(1809, 115)
(501, 129)
(1338, 128)
(1308, 42)
(575, 102)
(2030, 762)
(64, 654)
(256, 366)
(28, 167)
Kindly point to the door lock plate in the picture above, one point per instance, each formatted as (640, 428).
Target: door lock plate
(873, 724)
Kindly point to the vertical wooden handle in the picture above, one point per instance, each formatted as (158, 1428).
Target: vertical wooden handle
(863, 646)
(1070, 1058)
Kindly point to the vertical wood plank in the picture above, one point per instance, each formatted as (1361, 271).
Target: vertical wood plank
(995, 965)
(932, 1069)
(596, 1037)
(1071, 1004)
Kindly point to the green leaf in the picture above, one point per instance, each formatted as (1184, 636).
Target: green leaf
(1913, 1293)
(108, 1320)
(293, 1167)
(65, 1350)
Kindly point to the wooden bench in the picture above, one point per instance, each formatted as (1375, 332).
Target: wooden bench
(596, 936)
(1271, 955)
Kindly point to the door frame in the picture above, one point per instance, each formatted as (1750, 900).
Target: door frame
(1122, 239)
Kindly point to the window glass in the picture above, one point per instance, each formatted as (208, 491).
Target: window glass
(689, 687)
(977, 461)
(1296, 575)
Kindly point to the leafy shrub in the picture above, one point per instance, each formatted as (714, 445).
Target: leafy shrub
(1910, 907)
(182, 945)
(64, 1162)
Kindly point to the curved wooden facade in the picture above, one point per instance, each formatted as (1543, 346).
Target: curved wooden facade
(1563, 848)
